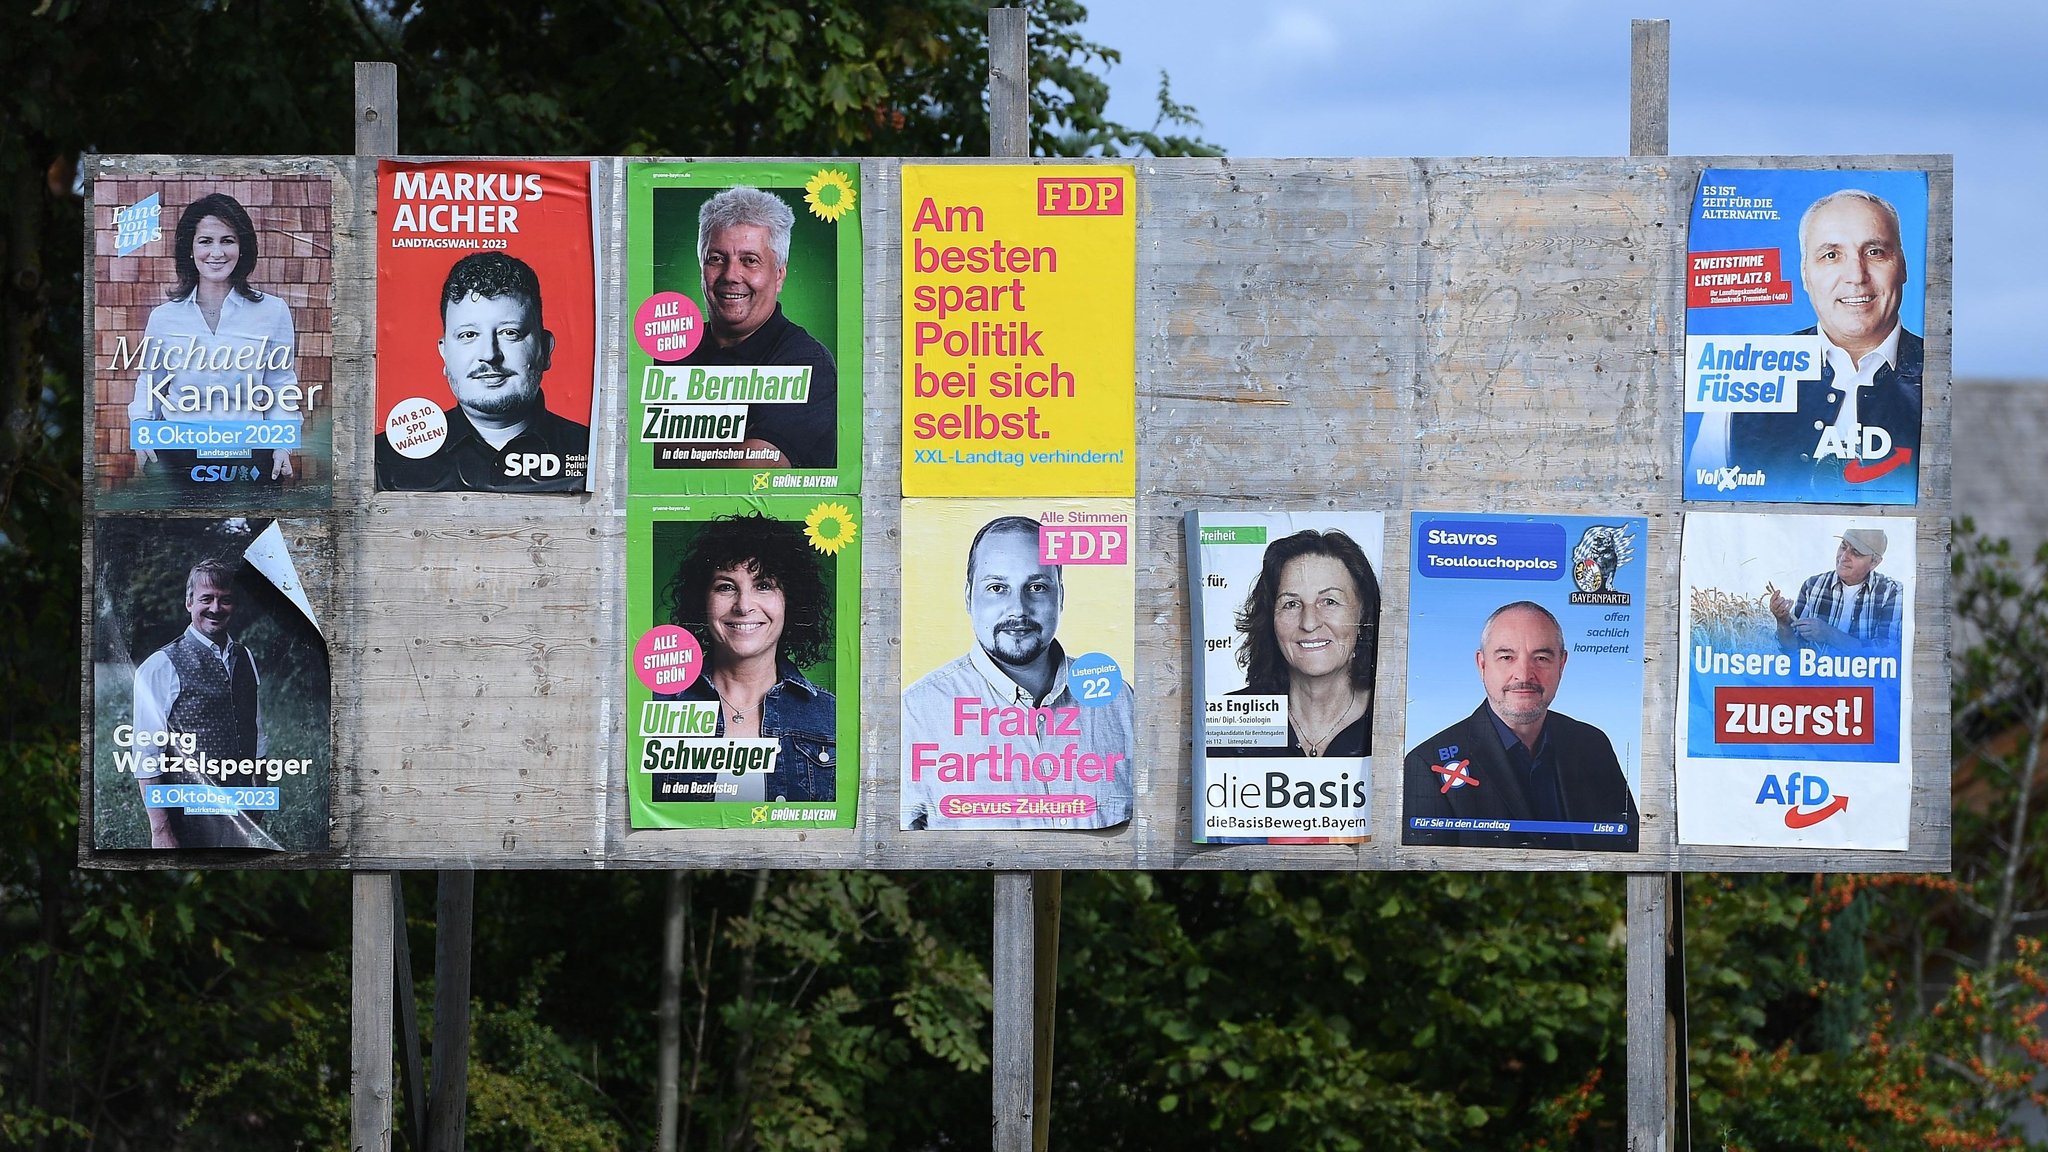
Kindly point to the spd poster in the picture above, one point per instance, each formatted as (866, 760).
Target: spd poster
(1804, 322)
(1019, 330)
(1795, 718)
(486, 326)
(743, 352)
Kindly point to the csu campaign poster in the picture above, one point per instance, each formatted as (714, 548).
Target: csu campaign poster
(1795, 718)
(1525, 682)
(1018, 704)
(1019, 329)
(743, 678)
(486, 325)
(743, 297)
(1285, 650)
(1805, 316)
(213, 341)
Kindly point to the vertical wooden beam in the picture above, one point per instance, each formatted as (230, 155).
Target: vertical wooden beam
(1045, 985)
(1013, 963)
(405, 1022)
(372, 951)
(1009, 82)
(448, 1098)
(1649, 894)
(370, 966)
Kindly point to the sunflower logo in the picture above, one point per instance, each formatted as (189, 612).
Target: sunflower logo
(829, 528)
(829, 195)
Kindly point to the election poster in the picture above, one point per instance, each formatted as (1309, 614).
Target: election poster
(1018, 692)
(1804, 322)
(1019, 330)
(1795, 721)
(486, 326)
(210, 723)
(1285, 636)
(743, 296)
(743, 678)
(212, 341)
(1525, 682)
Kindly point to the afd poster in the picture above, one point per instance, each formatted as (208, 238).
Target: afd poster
(211, 725)
(1019, 330)
(1018, 698)
(212, 340)
(743, 356)
(1804, 324)
(1795, 719)
(486, 325)
(1525, 682)
(1285, 650)
(742, 689)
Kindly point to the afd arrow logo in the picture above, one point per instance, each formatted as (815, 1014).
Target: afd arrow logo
(1857, 472)
(1806, 798)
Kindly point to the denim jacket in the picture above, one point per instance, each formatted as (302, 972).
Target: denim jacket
(803, 718)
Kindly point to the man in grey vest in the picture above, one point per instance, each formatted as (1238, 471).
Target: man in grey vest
(198, 696)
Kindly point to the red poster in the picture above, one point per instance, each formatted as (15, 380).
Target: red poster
(486, 326)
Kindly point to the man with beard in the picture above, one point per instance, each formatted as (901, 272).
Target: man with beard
(1003, 720)
(1526, 776)
(743, 246)
(197, 698)
(494, 350)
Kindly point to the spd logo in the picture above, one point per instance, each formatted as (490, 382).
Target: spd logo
(536, 464)
(1806, 798)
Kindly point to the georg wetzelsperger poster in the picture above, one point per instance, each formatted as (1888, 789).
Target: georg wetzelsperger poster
(1019, 329)
(1017, 698)
(210, 722)
(1285, 638)
(213, 353)
(486, 325)
(1525, 682)
(743, 350)
(743, 618)
(1795, 718)
(1805, 312)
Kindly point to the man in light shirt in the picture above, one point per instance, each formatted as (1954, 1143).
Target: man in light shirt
(1853, 609)
(998, 738)
(1861, 418)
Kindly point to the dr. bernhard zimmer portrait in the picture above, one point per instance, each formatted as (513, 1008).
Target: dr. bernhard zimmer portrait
(1006, 710)
(743, 245)
(1853, 266)
(494, 351)
(1514, 758)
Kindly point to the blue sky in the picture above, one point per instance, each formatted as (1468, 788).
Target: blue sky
(1475, 77)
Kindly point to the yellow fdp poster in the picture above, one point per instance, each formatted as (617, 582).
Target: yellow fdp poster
(1019, 326)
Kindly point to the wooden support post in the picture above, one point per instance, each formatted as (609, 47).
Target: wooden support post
(1651, 1079)
(448, 1098)
(405, 1022)
(1009, 83)
(1014, 960)
(370, 964)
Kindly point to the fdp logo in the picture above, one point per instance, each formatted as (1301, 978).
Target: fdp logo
(221, 473)
(1806, 798)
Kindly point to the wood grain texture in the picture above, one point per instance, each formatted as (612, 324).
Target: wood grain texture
(1394, 334)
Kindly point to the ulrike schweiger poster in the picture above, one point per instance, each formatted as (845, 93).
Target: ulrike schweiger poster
(486, 326)
(743, 630)
(212, 340)
(743, 353)
(1805, 310)
(1795, 719)
(1018, 698)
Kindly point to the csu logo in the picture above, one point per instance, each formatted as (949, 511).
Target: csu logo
(537, 464)
(1806, 798)
(217, 473)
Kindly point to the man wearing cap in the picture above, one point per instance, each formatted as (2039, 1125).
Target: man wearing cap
(1854, 608)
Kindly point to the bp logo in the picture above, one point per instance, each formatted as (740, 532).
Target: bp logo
(1602, 550)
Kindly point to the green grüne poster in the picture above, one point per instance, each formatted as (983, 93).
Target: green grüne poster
(743, 627)
(743, 285)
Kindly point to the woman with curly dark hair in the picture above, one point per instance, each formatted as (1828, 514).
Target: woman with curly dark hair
(1311, 632)
(750, 589)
